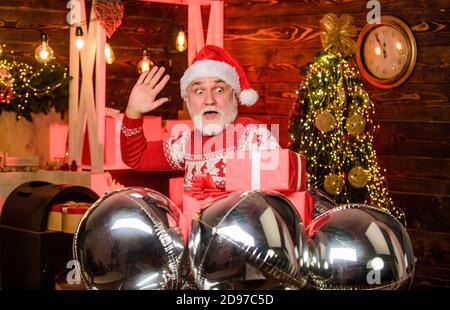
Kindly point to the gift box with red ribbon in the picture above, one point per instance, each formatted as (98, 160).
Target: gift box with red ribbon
(71, 217)
(202, 192)
(281, 170)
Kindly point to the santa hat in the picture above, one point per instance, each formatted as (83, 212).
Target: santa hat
(214, 61)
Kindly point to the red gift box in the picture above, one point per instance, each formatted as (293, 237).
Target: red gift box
(304, 204)
(191, 205)
(280, 170)
(202, 192)
(176, 189)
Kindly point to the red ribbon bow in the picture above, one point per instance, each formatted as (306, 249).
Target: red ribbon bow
(203, 187)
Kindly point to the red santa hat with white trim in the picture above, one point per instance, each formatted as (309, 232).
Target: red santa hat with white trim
(214, 61)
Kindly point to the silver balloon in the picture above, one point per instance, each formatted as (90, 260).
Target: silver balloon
(359, 247)
(132, 239)
(250, 240)
(322, 202)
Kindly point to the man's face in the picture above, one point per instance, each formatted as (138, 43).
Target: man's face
(212, 104)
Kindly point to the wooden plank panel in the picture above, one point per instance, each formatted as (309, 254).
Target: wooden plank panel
(34, 16)
(418, 185)
(429, 277)
(433, 65)
(273, 64)
(427, 168)
(411, 102)
(290, 31)
(427, 212)
(239, 8)
(285, 64)
(413, 139)
(281, 97)
(431, 248)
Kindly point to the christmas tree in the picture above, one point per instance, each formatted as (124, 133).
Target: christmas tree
(27, 89)
(332, 123)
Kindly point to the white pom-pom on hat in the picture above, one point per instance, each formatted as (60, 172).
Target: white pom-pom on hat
(214, 61)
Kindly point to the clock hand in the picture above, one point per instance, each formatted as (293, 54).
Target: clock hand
(382, 47)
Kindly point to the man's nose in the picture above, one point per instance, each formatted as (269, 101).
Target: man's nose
(209, 98)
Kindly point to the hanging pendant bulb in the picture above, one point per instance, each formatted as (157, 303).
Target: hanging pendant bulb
(109, 54)
(79, 41)
(145, 64)
(43, 52)
(181, 41)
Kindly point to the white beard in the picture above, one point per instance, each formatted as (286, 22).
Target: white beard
(215, 127)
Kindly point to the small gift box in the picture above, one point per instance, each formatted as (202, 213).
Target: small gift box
(304, 204)
(71, 216)
(280, 170)
(54, 220)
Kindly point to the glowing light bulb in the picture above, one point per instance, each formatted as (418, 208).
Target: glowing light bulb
(398, 45)
(43, 52)
(79, 41)
(145, 64)
(109, 54)
(181, 42)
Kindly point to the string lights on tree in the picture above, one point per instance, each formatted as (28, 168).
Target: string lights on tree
(27, 89)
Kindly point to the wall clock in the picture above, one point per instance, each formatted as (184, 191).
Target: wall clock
(387, 52)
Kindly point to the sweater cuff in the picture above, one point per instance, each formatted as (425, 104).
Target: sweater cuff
(131, 123)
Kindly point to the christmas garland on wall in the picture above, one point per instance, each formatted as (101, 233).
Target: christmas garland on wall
(27, 89)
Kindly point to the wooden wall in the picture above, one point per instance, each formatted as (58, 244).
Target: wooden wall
(273, 40)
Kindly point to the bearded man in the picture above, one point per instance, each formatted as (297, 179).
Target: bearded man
(211, 87)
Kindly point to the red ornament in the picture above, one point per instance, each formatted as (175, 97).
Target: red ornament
(6, 93)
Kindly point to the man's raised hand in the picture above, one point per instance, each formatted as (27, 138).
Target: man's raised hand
(143, 96)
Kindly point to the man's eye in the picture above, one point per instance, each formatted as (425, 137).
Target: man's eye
(219, 89)
(198, 91)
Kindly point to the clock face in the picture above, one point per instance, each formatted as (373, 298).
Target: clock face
(385, 52)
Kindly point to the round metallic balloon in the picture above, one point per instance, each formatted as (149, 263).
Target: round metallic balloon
(249, 240)
(322, 201)
(132, 239)
(356, 246)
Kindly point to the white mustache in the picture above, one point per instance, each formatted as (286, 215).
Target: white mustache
(211, 110)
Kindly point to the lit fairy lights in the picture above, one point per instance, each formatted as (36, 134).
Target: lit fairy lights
(32, 90)
(335, 132)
